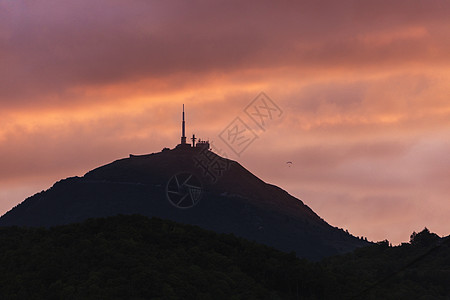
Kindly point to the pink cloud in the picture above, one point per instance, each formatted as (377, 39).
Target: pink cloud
(50, 47)
(363, 86)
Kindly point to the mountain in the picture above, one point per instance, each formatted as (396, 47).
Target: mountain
(190, 185)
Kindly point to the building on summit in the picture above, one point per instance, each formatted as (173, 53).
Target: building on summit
(201, 144)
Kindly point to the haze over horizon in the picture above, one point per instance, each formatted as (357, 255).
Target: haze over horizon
(363, 87)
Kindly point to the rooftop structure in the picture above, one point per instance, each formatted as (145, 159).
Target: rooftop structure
(183, 144)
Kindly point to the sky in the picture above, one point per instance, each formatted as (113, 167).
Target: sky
(362, 91)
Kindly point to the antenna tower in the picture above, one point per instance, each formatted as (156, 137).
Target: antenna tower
(183, 136)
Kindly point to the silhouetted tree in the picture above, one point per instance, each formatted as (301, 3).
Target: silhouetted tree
(424, 238)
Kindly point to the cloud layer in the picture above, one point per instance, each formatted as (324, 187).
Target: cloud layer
(363, 86)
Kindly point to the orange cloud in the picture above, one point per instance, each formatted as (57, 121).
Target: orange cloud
(363, 86)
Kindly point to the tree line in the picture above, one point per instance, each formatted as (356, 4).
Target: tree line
(135, 257)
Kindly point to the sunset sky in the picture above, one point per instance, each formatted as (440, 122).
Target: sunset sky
(363, 86)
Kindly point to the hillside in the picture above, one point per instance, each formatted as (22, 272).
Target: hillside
(134, 257)
(232, 201)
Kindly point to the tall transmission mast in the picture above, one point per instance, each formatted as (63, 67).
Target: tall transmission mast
(183, 135)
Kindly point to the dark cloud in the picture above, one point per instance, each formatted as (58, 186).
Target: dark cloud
(49, 47)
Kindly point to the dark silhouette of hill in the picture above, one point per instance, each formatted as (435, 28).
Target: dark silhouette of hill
(233, 200)
(134, 257)
(419, 269)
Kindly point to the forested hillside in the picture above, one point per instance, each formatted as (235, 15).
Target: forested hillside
(134, 257)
